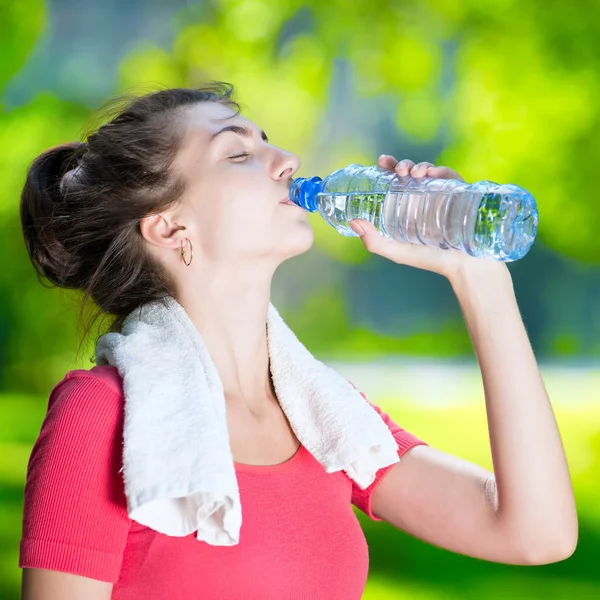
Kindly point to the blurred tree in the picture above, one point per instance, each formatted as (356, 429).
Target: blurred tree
(21, 21)
(36, 344)
(499, 90)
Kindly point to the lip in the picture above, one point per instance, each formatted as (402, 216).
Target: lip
(287, 201)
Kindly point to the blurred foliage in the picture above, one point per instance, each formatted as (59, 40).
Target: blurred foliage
(497, 89)
(504, 91)
(336, 338)
(21, 21)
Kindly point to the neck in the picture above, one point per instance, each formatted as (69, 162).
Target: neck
(231, 317)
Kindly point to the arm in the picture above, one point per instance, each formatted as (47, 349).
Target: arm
(526, 513)
(42, 584)
(74, 511)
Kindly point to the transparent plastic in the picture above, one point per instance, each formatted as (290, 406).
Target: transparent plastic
(485, 219)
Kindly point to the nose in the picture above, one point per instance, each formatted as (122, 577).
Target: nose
(288, 164)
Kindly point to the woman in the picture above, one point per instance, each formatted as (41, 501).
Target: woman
(180, 195)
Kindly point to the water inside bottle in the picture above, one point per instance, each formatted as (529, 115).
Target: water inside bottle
(415, 217)
(483, 224)
(438, 219)
(340, 208)
(505, 226)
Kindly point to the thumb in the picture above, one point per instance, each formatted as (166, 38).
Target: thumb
(363, 227)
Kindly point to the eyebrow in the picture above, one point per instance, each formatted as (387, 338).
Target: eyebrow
(240, 130)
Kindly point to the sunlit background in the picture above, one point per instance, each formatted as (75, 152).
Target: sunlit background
(497, 89)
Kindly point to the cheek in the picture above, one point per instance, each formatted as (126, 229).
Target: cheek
(238, 226)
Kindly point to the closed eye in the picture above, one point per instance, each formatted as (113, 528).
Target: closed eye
(240, 155)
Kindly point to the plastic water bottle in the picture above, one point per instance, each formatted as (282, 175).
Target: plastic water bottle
(484, 219)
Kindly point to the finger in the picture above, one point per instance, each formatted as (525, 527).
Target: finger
(365, 229)
(378, 243)
(420, 169)
(404, 166)
(443, 173)
(386, 161)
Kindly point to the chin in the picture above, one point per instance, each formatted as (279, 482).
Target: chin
(299, 242)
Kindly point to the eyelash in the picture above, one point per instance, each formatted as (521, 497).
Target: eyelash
(240, 155)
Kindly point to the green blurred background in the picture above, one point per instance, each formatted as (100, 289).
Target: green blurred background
(497, 89)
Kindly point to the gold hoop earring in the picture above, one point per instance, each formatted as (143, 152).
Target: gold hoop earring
(183, 253)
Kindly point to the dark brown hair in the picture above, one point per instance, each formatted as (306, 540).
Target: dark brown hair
(82, 202)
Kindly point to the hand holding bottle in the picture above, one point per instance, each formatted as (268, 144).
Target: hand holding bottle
(423, 205)
(447, 262)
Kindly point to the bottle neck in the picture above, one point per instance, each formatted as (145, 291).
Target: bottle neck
(304, 192)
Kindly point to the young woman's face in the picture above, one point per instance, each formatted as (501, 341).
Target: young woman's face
(235, 188)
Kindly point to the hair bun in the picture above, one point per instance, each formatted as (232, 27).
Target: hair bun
(41, 201)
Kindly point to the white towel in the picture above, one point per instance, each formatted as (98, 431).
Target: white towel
(177, 462)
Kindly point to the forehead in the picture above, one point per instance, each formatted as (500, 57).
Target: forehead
(206, 118)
